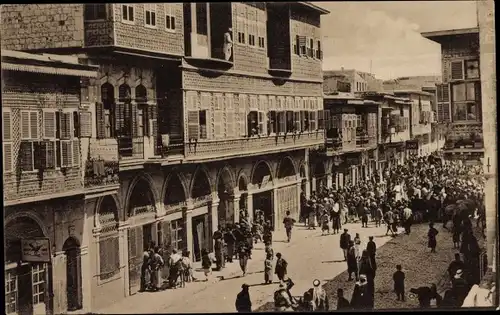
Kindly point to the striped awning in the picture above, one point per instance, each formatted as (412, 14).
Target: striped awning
(48, 70)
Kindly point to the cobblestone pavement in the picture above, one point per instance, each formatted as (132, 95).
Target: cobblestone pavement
(309, 255)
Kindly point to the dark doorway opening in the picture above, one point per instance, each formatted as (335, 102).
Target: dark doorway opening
(264, 201)
(73, 274)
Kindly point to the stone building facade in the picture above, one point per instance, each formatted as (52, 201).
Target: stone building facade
(186, 131)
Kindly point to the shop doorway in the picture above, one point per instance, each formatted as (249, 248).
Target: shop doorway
(73, 274)
(200, 235)
(264, 201)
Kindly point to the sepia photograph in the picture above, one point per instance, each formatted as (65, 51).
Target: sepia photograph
(236, 157)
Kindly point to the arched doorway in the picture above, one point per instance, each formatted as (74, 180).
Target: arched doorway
(140, 237)
(225, 191)
(319, 178)
(288, 196)
(262, 180)
(172, 234)
(201, 224)
(71, 248)
(27, 284)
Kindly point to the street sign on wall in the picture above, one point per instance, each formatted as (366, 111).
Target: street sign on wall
(411, 145)
(35, 250)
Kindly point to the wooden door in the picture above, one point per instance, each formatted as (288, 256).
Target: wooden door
(135, 251)
(74, 279)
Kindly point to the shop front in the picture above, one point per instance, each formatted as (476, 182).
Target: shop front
(338, 170)
(412, 147)
(287, 199)
(353, 163)
(28, 269)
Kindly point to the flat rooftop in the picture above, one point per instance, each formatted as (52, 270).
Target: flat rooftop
(439, 36)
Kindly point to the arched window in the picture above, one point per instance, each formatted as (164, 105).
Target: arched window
(105, 112)
(124, 93)
(141, 94)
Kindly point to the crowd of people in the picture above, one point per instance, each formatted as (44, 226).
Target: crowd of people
(424, 189)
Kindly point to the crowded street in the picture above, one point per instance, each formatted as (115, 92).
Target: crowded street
(314, 253)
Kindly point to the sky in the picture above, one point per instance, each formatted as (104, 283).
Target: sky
(387, 33)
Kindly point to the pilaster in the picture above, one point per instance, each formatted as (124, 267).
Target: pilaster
(250, 206)
(329, 180)
(275, 209)
(236, 207)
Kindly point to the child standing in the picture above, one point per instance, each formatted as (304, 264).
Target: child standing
(325, 227)
(432, 237)
(399, 283)
(268, 269)
(206, 263)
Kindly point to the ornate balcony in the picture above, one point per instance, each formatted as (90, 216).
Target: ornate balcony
(207, 150)
(101, 175)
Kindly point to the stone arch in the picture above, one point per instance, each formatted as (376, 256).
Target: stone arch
(261, 169)
(106, 211)
(124, 92)
(141, 94)
(319, 169)
(21, 225)
(174, 189)
(286, 167)
(243, 181)
(200, 184)
(225, 180)
(70, 243)
(141, 195)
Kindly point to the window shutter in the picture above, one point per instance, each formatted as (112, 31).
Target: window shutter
(76, 153)
(230, 121)
(7, 157)
(25, 125)
(85, 124)
(193, 125)
(282, 121)
(296, 118)
(100, 121)
(65, 125)
(120, 117)
(140, 122)
(26, 156)
(7, 126)
(320, 120)
(34, 125)
(49, 125)
(50, 155)
(153, 121)
(133, 118)
(167, 234)
(218, 132)
(457, 70)
(66, 153)
(39, 152)
(242, 122)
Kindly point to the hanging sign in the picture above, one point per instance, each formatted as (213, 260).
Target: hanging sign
(411, 145)
(35, 250)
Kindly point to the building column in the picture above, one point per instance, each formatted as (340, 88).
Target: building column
(250, 206)
(275, 209)
(124, 255)
(299, 188)
(236, 207)
(188, 216)
(313, 184)
(215, 215)
(329, 180)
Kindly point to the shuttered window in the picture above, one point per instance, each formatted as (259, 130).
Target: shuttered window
(281, 122)
(109, 257)
(101, 127)
(8, 159)
(457, 70)
(49, 125)
(218, 131)
(219, 102)
(321, 120)
(66, 153)
(271, 122)
(193, 125)
(76, 152)
(304, 117)
(66, 125)
(262, 123)
(242, 115)
(29, 125)
(297, 121)
(312, 120)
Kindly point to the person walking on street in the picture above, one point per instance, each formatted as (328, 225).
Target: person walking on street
(407, 220)
(431, 235)
(361, 296)
(268, 269)
(288, 222)
(320, 299)
(281, 267)
(243, 302)
(342, 302)
(399, 283)
(357, 245)
(336, 224)
(345, 239)
(218, 238)
(243, 257)
(371, 248)
(389, 220)
(378, 217)
(352, 262)
(230, 240)
(206, 264)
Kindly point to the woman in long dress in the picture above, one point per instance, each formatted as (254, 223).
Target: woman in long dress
(357, 246)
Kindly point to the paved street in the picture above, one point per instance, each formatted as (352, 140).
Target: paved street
(310, 256)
